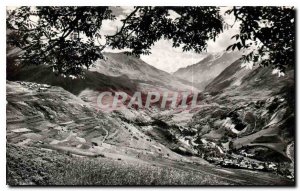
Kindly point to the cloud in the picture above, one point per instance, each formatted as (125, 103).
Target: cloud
(110, 27)
(224, 39)
(127, 10)
(173, 15)
(116, 10)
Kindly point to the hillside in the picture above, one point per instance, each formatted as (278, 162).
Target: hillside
(118, 72)
(50, 117)
(244, 116)
(204, 71)
(249, 112)
(236, 78)
(120, 64)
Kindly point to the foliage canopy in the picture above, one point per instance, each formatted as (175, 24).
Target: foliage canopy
(67, 38)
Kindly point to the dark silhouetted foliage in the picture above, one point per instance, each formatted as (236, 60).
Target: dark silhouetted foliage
(67, 38)
(270, 31)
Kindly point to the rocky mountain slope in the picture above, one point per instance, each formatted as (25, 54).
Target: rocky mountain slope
(263, 102)
(203, 72)
(120, 64)
(249, 113)
(258, 80)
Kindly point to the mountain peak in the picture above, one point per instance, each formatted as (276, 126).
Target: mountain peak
(208, 68)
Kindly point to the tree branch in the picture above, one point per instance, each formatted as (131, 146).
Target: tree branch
(124, 23)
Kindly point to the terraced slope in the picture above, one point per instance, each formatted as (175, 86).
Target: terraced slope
(50, 117)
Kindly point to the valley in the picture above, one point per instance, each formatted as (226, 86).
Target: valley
(241, 132)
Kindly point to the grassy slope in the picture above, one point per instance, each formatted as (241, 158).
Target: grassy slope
(40, 167)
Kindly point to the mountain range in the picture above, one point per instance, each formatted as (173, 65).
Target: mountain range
(239, 111)
(204, 71)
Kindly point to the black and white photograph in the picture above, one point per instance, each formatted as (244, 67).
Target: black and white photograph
(150, 95)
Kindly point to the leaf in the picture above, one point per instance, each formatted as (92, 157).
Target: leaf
(233, 46)
(229, 47)
(235, 36)
(239, 45)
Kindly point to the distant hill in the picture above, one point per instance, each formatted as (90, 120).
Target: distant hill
(120, 64)
(203, 72)
(117, 72)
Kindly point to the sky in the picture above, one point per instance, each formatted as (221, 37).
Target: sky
(164, 56)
